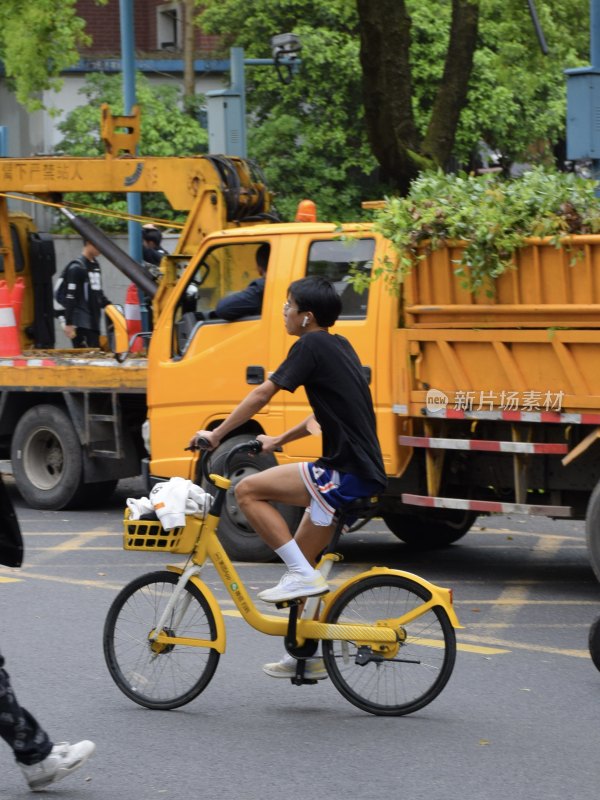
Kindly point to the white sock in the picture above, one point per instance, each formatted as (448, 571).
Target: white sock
(294, 559)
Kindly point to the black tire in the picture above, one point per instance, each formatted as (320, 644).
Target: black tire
(437, 528)
(46, 457)
(235, 533)
(420, 669)
(592, 530)
(96, 495)
(594, 642)
(177, 675)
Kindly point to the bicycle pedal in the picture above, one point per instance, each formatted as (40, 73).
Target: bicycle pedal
(289, 603)
(302, 681)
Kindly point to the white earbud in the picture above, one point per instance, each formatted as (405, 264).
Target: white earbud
(305, 322)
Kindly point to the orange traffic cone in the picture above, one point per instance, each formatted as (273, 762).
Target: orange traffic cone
(16, 299)
(9, 336)
(133, 317)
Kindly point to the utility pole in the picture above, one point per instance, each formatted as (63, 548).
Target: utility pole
(189, 78)
(134, 204)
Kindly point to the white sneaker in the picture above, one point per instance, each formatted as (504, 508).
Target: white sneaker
(63, 759)
(293, 585)
(286, 668)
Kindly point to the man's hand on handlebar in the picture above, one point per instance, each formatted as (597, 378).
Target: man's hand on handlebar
(270, 444)
(204, 440)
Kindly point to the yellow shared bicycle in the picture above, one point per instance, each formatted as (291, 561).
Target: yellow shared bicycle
(387, 636)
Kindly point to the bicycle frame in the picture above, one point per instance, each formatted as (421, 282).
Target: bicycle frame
(383, 637)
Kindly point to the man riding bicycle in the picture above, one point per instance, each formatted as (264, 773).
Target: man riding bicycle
(351, 465)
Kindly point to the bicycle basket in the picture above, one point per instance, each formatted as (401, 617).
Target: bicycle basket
(142, 534)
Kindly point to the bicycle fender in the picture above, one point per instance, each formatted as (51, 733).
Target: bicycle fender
(220, 642)
(441, 596)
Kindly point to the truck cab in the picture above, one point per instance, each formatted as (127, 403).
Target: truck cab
(200, 367)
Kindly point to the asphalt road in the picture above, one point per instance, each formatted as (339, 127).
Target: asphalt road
(518, 719)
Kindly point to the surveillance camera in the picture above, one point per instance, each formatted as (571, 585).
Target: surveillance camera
(285, 44)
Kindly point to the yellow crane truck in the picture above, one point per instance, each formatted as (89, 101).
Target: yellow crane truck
(71, 420)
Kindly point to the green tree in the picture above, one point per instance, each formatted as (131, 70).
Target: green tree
(465, 71)
(39, 39)
(166, 130)
(309, 135)
(437, 79)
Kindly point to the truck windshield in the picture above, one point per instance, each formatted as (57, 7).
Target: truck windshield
(224, 270)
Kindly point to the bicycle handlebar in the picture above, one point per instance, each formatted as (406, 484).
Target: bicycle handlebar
(251, 446)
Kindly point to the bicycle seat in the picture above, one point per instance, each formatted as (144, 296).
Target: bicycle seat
(360, 507)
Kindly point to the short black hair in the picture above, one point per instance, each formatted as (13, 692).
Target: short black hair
(152, 236)
(262, 256)
(318, 295)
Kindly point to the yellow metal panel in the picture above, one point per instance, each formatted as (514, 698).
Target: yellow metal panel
(548, 287)
(73, 372)
(507, 361)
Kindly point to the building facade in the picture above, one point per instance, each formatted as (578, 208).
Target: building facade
(159, 34)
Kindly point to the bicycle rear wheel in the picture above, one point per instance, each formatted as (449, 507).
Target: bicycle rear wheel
(416, 673)
(167, 676)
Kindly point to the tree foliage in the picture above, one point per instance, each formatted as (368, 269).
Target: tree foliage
(516, 101)
(39, 39)
(491, 215)
(308, 135)
(166, 130)
(311, 135)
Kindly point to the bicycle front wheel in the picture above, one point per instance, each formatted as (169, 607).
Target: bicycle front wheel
(411, 677)
(159, 676)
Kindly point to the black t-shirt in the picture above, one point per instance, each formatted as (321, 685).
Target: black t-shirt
(246, 303)
(331, 373)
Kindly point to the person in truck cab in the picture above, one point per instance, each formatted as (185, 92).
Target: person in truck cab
(152, 250)
(248, 302)
(351, 465)
(84, 298)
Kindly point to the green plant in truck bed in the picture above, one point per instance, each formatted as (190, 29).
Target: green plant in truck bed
(491, 215)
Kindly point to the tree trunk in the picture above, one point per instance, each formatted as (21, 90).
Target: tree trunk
(387, 88)
(452, 91)
(385, 39)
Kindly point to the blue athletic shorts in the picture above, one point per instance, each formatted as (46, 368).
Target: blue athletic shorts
(330, 490)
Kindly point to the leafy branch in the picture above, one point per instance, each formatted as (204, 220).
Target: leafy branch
(490, 215)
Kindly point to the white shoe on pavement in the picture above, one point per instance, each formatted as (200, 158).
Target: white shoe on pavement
(63, 759)
(286, 668)
(293, 585)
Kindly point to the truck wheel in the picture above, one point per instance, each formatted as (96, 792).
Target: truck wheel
(235, 533)
(594, 642)
(592, 530)
(96, 495)
(46, 458)
(431, 531)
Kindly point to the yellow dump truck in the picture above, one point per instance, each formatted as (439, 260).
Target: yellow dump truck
(482, 405)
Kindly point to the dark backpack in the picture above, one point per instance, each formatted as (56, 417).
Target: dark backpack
(60, 287)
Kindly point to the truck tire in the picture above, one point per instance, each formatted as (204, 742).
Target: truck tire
(235, 534)
(431, 531)
(592, 530)
(47, 459)
(95, 495)
(594, 642)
